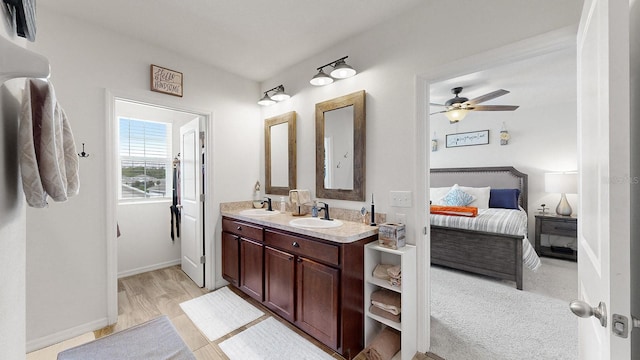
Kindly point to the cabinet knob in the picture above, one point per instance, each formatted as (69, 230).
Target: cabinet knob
(290, 258)
(295, 244)
(239, 228)
(299, 260)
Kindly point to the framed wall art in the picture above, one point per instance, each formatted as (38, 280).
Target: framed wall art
(468, 138)
(166, 81)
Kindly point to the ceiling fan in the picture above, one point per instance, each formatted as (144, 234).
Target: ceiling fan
(458, 106)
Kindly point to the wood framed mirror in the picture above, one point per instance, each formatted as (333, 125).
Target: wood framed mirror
(341, 148)
(280, 154)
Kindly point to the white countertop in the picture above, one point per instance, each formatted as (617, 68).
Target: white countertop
(347, 233)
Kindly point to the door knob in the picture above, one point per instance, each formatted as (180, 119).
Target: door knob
(582, 309)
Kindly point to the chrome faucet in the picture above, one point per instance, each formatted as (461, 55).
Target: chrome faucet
(326, 211)
(269, 208)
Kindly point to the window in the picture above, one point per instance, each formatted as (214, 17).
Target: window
(145, 160)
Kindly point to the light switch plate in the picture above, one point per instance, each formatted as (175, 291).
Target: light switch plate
(400, 198)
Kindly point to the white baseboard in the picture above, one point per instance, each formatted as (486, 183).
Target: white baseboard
(144, 269)
(37, 344)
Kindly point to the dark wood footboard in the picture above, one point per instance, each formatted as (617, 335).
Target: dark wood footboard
(484, 253)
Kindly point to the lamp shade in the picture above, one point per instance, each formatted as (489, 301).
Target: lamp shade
(280, 95)
(342, 70)
(456, 115)
(266, 100)
(321, 79)
(562, 183)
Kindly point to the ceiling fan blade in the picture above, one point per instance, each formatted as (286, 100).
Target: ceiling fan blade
(434, 104)
(438, 112)
(494, 107)
(487, 97)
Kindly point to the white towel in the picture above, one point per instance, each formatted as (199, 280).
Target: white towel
(48, 159)
(304, 197)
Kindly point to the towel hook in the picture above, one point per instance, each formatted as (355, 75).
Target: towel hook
(83, 154)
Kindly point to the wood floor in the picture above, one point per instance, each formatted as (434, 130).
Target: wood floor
(145, 296)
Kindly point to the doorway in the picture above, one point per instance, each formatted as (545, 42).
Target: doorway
(148, 180)
(469, 73)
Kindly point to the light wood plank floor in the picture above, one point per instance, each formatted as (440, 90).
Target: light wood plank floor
(145, 296)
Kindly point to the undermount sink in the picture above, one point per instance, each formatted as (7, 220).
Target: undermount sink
(315, 223)
(259, 212)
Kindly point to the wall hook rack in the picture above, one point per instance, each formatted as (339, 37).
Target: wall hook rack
(83, 154)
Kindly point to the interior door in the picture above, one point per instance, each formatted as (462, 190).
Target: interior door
(604, 161)
(191, 236)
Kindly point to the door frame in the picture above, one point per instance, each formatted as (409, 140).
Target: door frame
(111, 195)
(557, 40)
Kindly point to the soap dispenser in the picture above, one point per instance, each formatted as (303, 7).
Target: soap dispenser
(314, 209)
(283, 205)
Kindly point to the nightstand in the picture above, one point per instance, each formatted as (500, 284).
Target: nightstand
(565, 226)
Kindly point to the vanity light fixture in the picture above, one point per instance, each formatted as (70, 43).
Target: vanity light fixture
(278, 95)
(341, 70)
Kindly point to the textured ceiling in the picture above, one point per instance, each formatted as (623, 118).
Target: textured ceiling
(252, 38)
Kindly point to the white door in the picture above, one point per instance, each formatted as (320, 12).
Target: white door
(191, 232)
(604, 161)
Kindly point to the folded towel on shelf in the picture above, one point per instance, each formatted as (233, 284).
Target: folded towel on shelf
(385, 314)
(395, 282)
(394, 271)
(387, 297)
(388, 308)
(48, 159)
(381, 271)
(384, 346)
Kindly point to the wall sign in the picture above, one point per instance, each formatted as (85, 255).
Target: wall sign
(166, 81)
(468, 138)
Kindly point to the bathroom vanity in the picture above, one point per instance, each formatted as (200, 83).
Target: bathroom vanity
(313, 278)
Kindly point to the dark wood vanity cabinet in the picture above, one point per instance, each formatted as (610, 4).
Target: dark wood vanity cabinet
(242, 256)
(279, 282)
(318, 305)
(315, 284)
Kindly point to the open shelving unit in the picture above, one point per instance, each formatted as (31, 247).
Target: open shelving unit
(375, 254)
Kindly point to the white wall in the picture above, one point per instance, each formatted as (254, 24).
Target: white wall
(634, 39)
(388, 59)
(67, 254)
(12, 223)
(543, 129)
(66, 276)
(145, 243)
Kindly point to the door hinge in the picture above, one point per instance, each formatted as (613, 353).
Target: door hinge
(203, 259)
(202, 197)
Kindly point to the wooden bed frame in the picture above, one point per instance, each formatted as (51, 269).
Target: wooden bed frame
(484, 253)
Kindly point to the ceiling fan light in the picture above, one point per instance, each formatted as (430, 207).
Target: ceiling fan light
(321, 79)
(266, 100)
(456, 115)
(280, 95)
(342, 71)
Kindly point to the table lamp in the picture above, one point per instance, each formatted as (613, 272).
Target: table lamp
(563, 183)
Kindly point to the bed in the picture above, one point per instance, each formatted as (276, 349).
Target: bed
(497, 251)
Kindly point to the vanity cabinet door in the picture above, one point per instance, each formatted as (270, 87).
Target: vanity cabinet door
(318, 288)
(279, 282)
(230, 257)
(251, 268)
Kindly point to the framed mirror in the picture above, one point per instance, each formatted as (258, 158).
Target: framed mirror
(340, 148)
(280, 154)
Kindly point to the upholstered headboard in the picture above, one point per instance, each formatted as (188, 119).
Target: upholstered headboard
(501, 177)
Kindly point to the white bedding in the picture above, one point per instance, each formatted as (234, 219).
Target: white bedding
(502, 221)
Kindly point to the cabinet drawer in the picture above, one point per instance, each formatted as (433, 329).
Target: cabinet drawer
(304, 247)
(242, 229)
(561, 228)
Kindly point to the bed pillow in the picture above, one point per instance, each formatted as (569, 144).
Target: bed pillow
(481, 194)
(436, 194)
(504, 198)
(457, 197)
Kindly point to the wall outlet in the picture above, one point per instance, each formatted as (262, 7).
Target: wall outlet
(400, 198)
